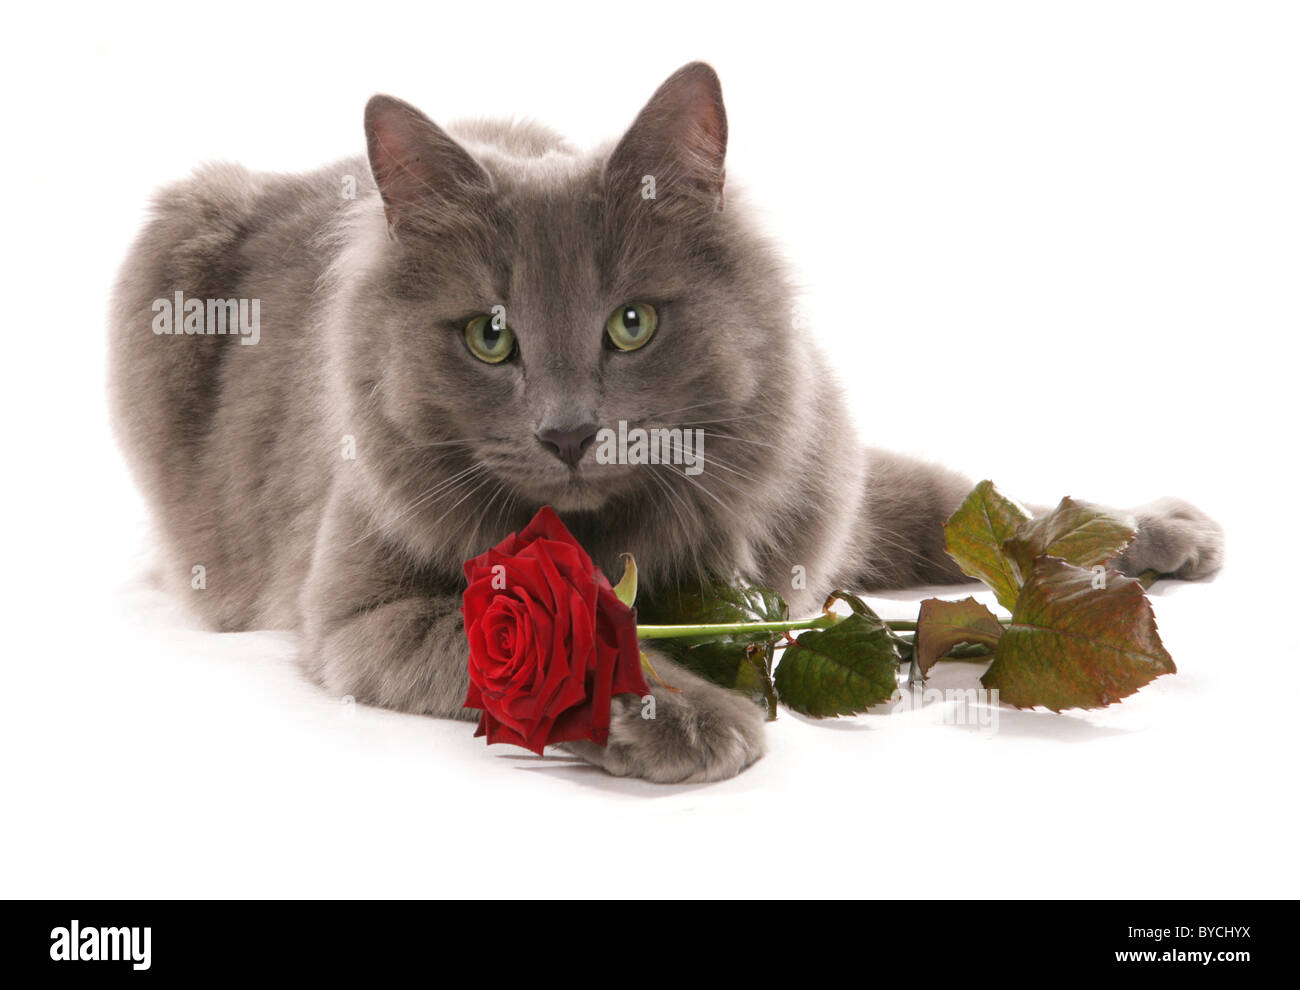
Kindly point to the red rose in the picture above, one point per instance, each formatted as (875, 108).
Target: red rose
(550, 644)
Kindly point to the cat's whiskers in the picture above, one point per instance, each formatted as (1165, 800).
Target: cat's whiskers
(509, 505)
(483, 513)
(731, 468)
(459, 476)
(730, 419)
(477, 487)
(891, 540)
(463, 442)
(677, 506)
(698, 484)
(672, 500)
(475, 475)
(726, 465)
(474, 480)
(749, 440)
(424, 499)
(669, 412)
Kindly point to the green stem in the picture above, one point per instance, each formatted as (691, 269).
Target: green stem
(731, 628)
(1148, 578)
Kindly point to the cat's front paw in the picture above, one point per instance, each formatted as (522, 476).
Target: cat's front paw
(1175, 538)
(699, 733)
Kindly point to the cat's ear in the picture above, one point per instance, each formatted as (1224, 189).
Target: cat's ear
(416, 164)
(680, 133)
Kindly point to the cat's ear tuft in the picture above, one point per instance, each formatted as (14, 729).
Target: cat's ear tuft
(416, 164)
(681, 131)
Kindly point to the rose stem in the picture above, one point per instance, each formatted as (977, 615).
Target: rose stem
(730, 628)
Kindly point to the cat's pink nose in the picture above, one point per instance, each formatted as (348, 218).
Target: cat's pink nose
(568, 444)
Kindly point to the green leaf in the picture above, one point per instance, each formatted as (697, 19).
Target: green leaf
(626, 588)
(1080, 533)
(727, 664)
(942, 625)
(1072, 644)
(842, 670)
(975, 533)
(722, 659)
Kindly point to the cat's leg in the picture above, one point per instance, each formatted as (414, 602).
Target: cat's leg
(899, 538)
(376, 628)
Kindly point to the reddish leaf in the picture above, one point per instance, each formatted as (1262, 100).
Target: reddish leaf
(1080, 533)
(1074, 645)
(942, 625)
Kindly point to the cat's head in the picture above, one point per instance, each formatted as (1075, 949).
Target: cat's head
(530, 296)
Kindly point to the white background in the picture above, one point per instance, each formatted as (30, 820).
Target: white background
(1051, 244)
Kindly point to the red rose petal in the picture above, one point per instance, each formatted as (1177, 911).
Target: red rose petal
(549, 650)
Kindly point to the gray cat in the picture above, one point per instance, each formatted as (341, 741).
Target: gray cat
(390, 421)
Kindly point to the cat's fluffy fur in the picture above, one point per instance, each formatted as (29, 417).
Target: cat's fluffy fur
(363, 304)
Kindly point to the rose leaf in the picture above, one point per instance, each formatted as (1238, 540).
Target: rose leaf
(1080, 533)
(725, 664)
(842, 670)
(1075, 643)
(942, 625)
(975, 533)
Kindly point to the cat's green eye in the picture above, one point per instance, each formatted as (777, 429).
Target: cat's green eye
(487, 341)
(631, 326)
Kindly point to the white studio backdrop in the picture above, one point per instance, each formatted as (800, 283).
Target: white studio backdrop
(1054, 244)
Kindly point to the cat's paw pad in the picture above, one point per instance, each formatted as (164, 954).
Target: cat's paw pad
(700, 733)
(1175, 538)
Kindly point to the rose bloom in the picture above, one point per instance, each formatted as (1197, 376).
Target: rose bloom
(550, 644)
